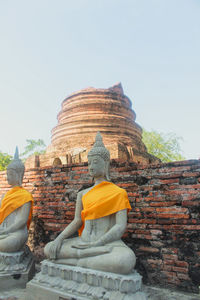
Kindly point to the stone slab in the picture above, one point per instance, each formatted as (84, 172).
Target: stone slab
(39, 292)
(17, 279)
(15, 262)
(152, 292)
(62, 282)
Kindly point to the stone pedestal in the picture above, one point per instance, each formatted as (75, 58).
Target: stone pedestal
(62, 282)
(16, 269)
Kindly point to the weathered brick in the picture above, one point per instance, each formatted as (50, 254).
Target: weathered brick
(191, 203)
(170, 257)
(181, 263)
(147, 209)
(148, 249)
(169, 181)
(180, 270)
(167, 268)
(173, 216)
(172, 209)
(162, 204)
(155, 243)
(155, 261)
(191, 174)
(184, 277)
(168, 262)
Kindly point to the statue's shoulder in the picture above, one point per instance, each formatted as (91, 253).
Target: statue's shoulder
(27, 194)
(117, 187)
(83, 192)
(85, 188)
(118, 190)
(25, 191)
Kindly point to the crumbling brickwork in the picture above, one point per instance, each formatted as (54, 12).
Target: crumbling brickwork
(82, 115)
(163, 226)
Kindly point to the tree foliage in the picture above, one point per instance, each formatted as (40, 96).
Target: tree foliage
(35, 147)
(164, 146)
(5, 159)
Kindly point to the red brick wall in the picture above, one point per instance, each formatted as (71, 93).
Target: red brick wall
(164, 224)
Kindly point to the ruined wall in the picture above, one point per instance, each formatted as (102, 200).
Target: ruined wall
(163, 226)
(82, 115)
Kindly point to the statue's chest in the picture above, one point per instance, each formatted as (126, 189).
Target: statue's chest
(10, 219)
(94, 229)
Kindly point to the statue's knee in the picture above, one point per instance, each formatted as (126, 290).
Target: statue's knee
(126, 263)
(132, 259)
(3, 248)
(83, 263)
(6, 246)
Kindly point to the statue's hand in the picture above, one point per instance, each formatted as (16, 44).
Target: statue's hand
(82, 246)
(3, 231)
(97, 243)
(3, 236)
(54, 248)
(87, 245)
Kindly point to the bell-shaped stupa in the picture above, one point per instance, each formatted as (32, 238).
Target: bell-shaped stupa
(88, 111)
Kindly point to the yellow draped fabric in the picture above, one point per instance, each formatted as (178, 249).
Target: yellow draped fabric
(102, 200)
(14, 199)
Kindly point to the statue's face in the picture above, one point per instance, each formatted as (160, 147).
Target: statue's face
(96, 166)
(12, 177)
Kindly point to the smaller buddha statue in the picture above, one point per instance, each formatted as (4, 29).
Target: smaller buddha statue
(15, 210)
(101, 219)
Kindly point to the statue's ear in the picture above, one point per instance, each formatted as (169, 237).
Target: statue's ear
(22, 176)
(107, 170)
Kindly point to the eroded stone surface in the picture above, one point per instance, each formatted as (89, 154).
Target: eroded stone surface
(18, 269)
(66, 281)
(15, 261)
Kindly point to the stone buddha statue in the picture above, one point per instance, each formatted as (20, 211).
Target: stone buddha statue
(101, 219)
(15, 210)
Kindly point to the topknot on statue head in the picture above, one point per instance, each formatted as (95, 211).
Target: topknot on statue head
(100, 150)
(17, 165)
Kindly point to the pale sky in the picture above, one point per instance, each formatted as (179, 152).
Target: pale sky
(51, 48)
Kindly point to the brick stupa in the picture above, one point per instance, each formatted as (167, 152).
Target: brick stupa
(84, 113)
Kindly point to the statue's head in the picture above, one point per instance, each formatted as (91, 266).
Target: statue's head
(99, 159)
(15, 170)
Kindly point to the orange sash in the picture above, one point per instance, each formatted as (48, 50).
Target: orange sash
(102, 200)
(14, 199)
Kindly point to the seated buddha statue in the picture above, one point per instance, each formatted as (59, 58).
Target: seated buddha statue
(15, 210)
(101, 219)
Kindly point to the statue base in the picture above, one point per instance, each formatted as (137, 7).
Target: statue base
(63, 282)
(16, 269)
